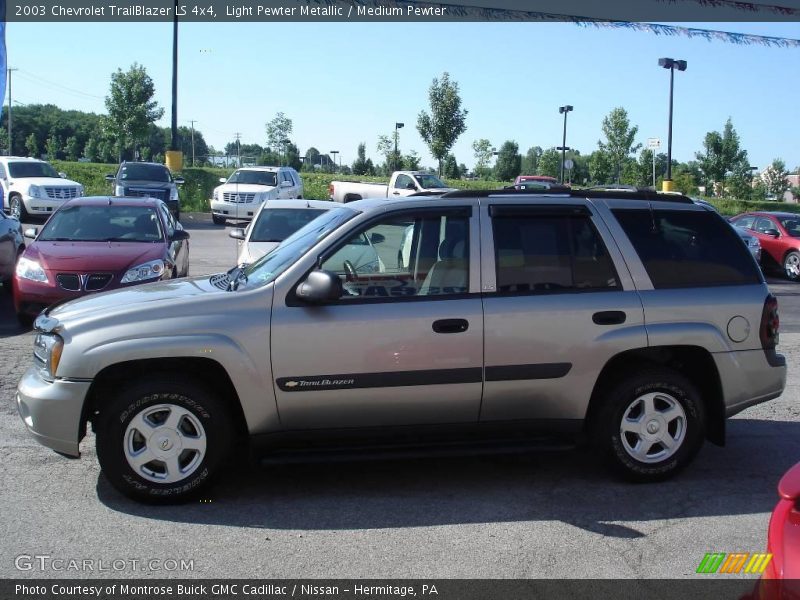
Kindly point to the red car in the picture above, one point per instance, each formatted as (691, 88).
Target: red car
(95, 244)
(779, 234)
(542, 178)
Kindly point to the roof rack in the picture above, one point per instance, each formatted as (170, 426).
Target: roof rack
(605, 193)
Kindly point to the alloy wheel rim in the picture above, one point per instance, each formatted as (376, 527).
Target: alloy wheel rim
(792, 266)
(653, 427)
(164, 443)
(15, 208)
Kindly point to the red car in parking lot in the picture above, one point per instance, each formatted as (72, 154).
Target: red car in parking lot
(95, 244)
(779, 234)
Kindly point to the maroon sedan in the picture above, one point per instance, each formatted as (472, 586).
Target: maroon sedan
(95, 244)
(779, 234)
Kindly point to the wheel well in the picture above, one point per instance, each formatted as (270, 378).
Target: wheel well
(351, 197)
(787, 253)
(209, 371)
(693, 362)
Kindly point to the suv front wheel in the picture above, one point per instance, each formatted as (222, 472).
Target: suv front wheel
(162, 440)
(651, 425)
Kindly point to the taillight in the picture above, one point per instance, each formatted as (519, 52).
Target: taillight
(770, 323)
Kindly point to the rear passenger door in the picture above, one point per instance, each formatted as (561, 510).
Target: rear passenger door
(558, 304)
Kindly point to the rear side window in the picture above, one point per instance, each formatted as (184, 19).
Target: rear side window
(550, 253)
(688, 249)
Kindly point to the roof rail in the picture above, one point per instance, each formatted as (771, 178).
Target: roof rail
(624, 194)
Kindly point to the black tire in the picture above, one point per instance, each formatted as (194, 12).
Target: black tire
(791, 266)
(15, 204)
(200, 406)
(217, 220)
(25, 320)
(668, 386)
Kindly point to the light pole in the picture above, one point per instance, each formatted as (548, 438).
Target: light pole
(335, 152)
(671, 64)
(10, 149)
(564, 110)
(397, 126)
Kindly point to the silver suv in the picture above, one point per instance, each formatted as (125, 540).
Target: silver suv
(634, 321)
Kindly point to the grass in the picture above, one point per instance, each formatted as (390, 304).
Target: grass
(201, 181)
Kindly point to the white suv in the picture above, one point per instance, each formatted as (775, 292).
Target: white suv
(32, 187)
(243, 192)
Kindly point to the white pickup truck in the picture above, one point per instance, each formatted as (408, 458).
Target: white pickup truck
(402, 183)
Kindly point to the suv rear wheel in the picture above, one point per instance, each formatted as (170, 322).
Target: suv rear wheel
(17, 208)
(163, 440)
(217, 220)
(651, 425)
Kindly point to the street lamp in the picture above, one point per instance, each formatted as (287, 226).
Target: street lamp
(564, 110)
(671, 64)
(335, 152)
(396, 136)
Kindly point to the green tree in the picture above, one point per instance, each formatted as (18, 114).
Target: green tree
(509, 162)
(723, 159)
(91, 150)
(386, 146)
(131, 108)
(601, 167)
(482, 150)
(360, 163)
(72, 149)
(411, 161)
(447, 120)
(32, 146)
(530, 162)
(774, 178)
(278, 130)
(451, 167)
(312, 158)
(620, 136)
(549, 163)
(53, 147)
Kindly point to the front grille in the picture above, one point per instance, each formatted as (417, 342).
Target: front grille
(148, 193)
(220, 280)
(93, 282)
(238, 197)
(61, 193)
(69, 281)
(97, 281)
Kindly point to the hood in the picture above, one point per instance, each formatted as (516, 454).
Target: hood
(138, 297)
(443, 190)
(252, 251)
(93, 256)
(245, 188)
(141, 183)
(24, 182)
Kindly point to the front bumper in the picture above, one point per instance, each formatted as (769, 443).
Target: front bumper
(41, 206)
(235, 210)
(52, 411)
(749, 378)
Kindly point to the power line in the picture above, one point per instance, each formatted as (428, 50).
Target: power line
(36, 79)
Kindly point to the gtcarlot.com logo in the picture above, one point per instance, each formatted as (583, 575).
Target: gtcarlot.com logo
(47, 563)
(735, 562)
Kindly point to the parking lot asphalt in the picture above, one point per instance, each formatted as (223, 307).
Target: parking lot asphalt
(543, 514)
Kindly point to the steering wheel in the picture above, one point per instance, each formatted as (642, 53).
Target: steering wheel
(350, 271)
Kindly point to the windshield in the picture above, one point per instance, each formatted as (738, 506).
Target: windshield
(255, 177)
(791, 225)
(144, 172)
(277, 224)
(268, 267)
(31, 169)
(103, 223)
(429, 181)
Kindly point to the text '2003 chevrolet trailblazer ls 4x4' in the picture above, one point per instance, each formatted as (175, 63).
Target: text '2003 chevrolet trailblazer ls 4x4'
(636, 320)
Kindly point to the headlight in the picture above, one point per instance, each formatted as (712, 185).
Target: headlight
(80, 190)
(173, 194)
(119, 190)
(216, 195)
(36, 191)
(145, 271)
(30, 269)
(47, 349)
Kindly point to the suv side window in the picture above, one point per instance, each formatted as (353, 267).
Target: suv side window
(688, 248)
(401, 256)
(402, 181)
(541, 252)
(2, 172)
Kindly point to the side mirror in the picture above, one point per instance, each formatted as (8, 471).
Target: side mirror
(31, 233)
(178, 235)
(62, 175)
(286, 184)
(237, 234)
(110, 177)
(223, 180)
(179, 180)
(377, 238)
(320, 287)
(772, 233)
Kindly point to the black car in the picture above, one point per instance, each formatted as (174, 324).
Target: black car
(145, 179)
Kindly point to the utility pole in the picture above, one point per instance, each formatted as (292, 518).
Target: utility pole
(10, 149)
(238, 150)
(192, 122)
